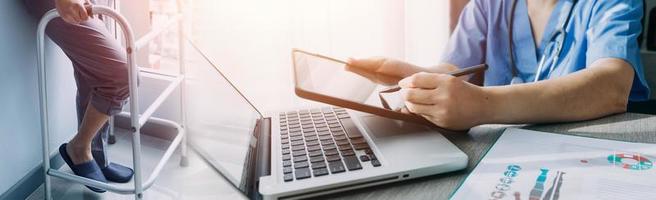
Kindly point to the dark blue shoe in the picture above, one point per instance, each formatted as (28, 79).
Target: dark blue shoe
(117, 173)
(89, 169)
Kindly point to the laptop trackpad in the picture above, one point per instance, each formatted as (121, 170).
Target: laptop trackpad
(380, 127)
(411, 145)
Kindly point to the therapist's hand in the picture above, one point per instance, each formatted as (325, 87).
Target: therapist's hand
(445, 100)
(381, 70)
(73, 11)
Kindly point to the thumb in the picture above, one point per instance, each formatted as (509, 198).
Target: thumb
(81, 12)
(89, 8)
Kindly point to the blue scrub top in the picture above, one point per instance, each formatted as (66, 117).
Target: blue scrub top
(597, 29)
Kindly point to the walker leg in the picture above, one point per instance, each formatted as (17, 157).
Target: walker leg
(114, 28)
(112, 138)
(43, 106)
(184, 160)
(46, 186)
(136, 144)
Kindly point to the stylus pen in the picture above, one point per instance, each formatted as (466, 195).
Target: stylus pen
(469, 70)
(457, 73)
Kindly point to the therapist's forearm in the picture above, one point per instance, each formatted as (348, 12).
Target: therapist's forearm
(601, 89)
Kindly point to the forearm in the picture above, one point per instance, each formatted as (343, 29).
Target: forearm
(600, 90)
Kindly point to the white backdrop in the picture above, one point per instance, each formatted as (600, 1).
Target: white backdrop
(252, 39)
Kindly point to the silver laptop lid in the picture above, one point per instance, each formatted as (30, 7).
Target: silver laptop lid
(221, 121)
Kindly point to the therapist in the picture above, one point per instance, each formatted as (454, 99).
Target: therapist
(550, 61)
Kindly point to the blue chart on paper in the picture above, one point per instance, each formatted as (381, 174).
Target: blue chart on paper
(531, 165)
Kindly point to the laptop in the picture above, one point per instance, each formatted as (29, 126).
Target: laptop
(304, 153)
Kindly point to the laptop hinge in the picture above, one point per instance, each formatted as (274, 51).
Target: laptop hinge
(262, 157)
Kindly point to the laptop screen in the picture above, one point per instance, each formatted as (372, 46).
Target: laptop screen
(220, 119)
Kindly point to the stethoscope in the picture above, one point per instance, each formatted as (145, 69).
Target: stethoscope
(553, 48)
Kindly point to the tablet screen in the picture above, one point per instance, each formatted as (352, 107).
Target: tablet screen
(321, 75)
(327, 80)
(330, 81)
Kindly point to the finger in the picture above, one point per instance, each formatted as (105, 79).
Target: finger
(368, 63)
(373, 75)
(89, 8)
(419, 96)
(420, 109)
(387, 79)
(403, 110)
(362, 72)
(82, 13)
(423, 80)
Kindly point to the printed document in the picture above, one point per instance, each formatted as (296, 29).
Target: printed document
(531, 165)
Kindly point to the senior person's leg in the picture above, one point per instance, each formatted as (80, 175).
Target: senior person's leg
(102, 79)
(112, 171)
(101, 75)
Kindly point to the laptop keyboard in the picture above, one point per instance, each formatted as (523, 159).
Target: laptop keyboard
(321, 142)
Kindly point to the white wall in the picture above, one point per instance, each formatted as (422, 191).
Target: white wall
(138, 15)
(426, 31)
(20, 136)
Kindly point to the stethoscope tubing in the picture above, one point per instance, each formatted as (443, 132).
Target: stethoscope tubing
(558, 37)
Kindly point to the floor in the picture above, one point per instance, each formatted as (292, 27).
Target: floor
(196, 181)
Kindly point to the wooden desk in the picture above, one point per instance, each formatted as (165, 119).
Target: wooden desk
(625, 127)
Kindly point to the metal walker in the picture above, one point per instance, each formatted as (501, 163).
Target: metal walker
(137, 120)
